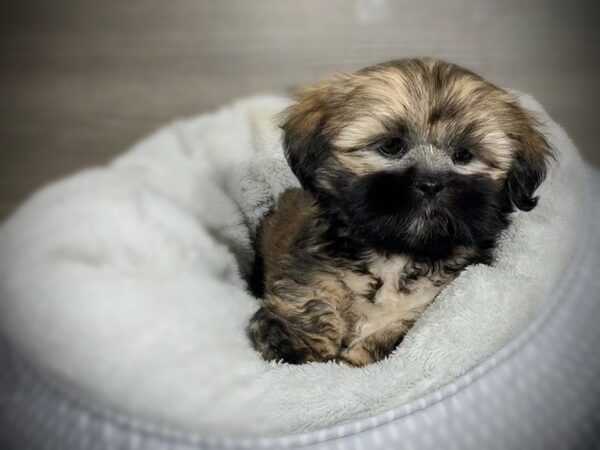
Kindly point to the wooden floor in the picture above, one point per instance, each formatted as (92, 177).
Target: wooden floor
(82, 80)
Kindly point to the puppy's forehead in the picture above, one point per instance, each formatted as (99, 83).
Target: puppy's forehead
(427, 100)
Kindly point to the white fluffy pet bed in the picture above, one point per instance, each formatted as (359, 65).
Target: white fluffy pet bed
(123, 308)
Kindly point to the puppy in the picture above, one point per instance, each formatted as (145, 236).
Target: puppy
(410, 170)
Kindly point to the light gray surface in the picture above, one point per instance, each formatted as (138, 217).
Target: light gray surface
(539, 392)
(80, 81)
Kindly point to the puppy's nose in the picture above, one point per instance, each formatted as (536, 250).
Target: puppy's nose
(429, 186)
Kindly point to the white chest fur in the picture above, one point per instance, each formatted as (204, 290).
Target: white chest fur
(401, 296)
(397, 287)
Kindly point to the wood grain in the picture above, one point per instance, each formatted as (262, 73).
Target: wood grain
(81, 81)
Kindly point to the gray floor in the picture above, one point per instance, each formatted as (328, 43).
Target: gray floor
(82, 80)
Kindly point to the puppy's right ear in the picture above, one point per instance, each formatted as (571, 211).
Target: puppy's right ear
(306, 131)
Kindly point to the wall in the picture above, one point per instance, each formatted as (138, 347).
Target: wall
(80, 81)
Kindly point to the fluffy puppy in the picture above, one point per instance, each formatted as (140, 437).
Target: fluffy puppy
(410, 170)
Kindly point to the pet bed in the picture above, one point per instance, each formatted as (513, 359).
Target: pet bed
(123, 304)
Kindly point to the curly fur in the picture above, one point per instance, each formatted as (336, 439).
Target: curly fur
(410, 171)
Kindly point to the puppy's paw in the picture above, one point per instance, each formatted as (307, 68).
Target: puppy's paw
(276, 339)
(373, 348)
(357, 355)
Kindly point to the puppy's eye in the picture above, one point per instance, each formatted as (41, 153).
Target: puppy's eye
(462, 156)
(391, 147)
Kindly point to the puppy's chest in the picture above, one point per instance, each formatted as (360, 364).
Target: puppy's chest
(400, 279)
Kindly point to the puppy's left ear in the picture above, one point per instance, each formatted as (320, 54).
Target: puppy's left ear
(530, 165)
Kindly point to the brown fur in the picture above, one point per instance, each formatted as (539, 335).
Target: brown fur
(330, 292)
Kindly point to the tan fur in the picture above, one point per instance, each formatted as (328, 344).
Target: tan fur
(408, 90)
(333, 309)
(321, 304)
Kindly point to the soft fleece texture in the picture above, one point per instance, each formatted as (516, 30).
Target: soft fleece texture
(125, 283)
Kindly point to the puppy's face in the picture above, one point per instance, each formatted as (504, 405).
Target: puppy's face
(416, 155)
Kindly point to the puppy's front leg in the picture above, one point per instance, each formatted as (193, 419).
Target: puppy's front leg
(297, 331)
